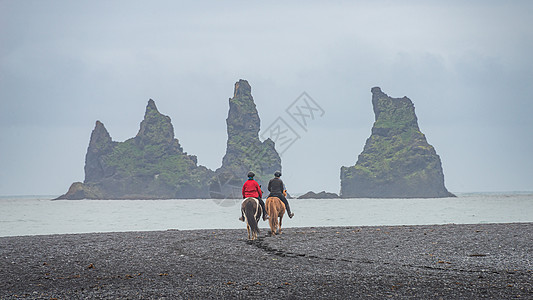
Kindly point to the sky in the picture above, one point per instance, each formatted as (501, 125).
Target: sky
(466, 65)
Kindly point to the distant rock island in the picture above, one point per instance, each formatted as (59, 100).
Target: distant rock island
(321, 195)
(397, 161)
(152, 165)
(244, 151)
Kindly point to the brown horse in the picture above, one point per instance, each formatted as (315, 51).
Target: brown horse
(275, 209)
(252, 212)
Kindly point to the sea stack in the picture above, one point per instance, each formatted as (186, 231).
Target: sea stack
(152, 165)
(397, 161)
(244, 151)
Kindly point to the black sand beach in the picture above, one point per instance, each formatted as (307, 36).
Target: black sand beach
(492, 261)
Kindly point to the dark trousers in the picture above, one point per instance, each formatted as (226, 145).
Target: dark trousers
(284, 200)
(262, 203)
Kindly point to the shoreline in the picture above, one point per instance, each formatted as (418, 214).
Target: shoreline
(420, 261)
(263, 226)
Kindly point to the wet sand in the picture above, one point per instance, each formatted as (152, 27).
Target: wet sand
(492, 261)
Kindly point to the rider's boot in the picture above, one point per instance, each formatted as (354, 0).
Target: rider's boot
(265, 215)
(289, 213)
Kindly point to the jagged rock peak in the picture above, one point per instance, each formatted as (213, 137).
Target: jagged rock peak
(99, 144)
(156, 128)
(245, 151)
(99, 135)
(151, 105)
(376, 90)
(392, 112)
(242, 88)
(243, 115)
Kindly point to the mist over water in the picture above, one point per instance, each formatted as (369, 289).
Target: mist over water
(40, 215)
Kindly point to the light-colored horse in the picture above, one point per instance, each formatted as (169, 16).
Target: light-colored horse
(252, 212)
(275, 209)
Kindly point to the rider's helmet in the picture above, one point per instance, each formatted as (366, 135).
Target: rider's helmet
(251, 174)
(277, 174)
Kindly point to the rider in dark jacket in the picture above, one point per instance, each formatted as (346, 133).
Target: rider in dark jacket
(276, 188)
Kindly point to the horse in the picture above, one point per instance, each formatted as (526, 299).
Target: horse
(275, 209)
(252, 212)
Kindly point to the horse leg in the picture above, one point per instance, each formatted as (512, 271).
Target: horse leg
(279, 226)
(254, 234)
(248, 229)
(272, 223)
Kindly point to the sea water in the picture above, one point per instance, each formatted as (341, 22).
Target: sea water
(36, 215)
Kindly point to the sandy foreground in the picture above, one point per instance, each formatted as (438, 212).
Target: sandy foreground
(420, 262)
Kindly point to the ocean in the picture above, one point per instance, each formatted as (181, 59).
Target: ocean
(39, 215)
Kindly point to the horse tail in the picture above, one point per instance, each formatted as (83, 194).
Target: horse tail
(268, 207)
(273, 222)
(249, 212)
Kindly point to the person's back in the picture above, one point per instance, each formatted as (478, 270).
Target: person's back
(276, 188)
(252, 189)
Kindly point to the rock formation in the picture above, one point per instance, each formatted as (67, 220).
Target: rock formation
(321, 195)
(152, 165)
(397, 161)
(244, 151)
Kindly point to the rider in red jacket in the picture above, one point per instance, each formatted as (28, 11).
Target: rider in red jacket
(252, 189)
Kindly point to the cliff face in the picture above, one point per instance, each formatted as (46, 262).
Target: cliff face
(244, 151)
(152, 165)
(397, 161)
(99, 146)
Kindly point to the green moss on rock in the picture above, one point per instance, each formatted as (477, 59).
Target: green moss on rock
(244, 151)
(397, 161)
(152, 165)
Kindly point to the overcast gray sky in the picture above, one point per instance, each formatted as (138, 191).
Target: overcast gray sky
(466, 65)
